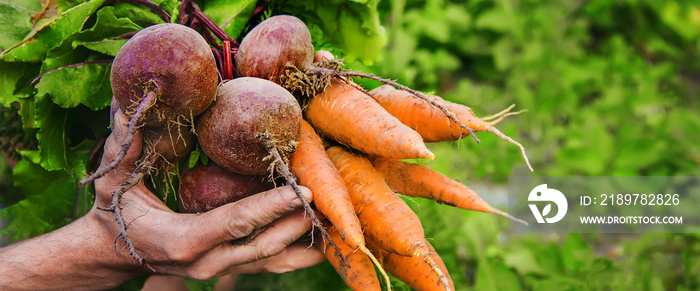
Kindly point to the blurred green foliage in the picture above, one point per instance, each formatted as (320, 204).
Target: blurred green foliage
(609, 85)
(611, 88)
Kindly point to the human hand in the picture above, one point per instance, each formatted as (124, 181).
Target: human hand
(323, 55)
(198, 245)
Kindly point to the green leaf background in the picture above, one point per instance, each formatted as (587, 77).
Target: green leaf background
(610, 87)
(231, 16)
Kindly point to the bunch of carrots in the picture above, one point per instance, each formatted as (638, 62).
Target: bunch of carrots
(350, 156)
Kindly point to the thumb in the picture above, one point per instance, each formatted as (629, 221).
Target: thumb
(323, 55)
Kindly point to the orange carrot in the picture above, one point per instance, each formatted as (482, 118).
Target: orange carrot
(359, 273)
(420, 181)
(431, 123)
(385, 218)
(347, 115)
(411, 270)
(311, 166)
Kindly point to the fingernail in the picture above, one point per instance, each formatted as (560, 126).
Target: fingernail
(296, 203)
(116, 127)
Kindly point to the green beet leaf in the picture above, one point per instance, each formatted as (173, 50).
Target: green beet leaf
(8, 79)
(354, 26)
(231, 16)
(108, 47)
(87, 84)
(55, 126)
(48, 205)
(51, 33)
(106, 29)
(138, 13)
(70, 52)
(50, 120)
(16, 23)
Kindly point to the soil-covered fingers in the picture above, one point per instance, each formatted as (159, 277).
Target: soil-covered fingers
(111, 181)
(227, 257)
(296, 256)
(171, 240)
(274, 239)
(237, 220)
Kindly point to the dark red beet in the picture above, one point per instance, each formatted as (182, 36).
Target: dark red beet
(252, 128)
(174, 62)
(277, 42)
(246, 110)
(170, 144)
(164, 74)
(204, 188)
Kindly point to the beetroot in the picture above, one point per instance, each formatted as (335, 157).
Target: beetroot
(246, 111)
(270, 47)
(203, 188)
(172, 61)
(252, 128)
(164, 74)
(168, 143)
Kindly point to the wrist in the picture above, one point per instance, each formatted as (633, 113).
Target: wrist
(103, 247)
(92, 256)
(77, 256)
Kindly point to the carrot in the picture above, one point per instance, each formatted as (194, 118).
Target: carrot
(411, 270)
(311, 166)
(347, 115)
(431, 123)
(420, 181)
(385, 218)
(359, 273)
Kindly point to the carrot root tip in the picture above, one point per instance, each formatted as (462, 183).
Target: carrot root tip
(374, 260)
(513, 218)
(492, 123)
(510, 140)
(499, 114)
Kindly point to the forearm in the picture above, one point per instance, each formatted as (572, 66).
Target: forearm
(77, 256)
